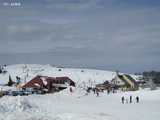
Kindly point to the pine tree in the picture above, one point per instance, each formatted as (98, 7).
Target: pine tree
(10, 82)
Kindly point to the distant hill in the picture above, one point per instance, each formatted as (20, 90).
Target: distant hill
(27, 71)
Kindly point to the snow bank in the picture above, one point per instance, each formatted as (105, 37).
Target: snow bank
(18, 103)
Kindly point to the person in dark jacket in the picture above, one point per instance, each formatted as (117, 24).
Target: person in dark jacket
(122, 100)
(97, 92)
(137, 99)
(130, 99)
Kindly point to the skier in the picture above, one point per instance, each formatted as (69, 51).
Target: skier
(94, 90)
(97, 92)
(130, 99)
(108, 91)
(71, 90)
(137, 99)
(113, 90)
(122, 100)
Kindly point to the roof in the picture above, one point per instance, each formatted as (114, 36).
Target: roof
(122, 78)
(131, 79)
(43, 81)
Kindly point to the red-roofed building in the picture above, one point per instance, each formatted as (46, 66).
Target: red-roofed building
(49, 84)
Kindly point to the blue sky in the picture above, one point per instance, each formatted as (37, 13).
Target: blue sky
(102, 34)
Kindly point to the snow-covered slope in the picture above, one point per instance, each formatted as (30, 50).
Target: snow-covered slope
(27, 72)
(75, 106)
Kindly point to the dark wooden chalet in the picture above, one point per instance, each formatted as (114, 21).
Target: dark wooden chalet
(104, 86)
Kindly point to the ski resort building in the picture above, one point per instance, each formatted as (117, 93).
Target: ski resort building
(49, 84)
(125, 82)
(104, 86)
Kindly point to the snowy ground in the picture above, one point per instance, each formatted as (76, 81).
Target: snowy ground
(75, 106)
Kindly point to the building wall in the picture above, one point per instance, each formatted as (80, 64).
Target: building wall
(117, 81)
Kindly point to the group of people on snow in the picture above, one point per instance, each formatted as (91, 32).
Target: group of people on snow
(97, 91)
(130, 100)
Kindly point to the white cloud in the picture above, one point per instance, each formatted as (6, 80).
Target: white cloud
(86, 30)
